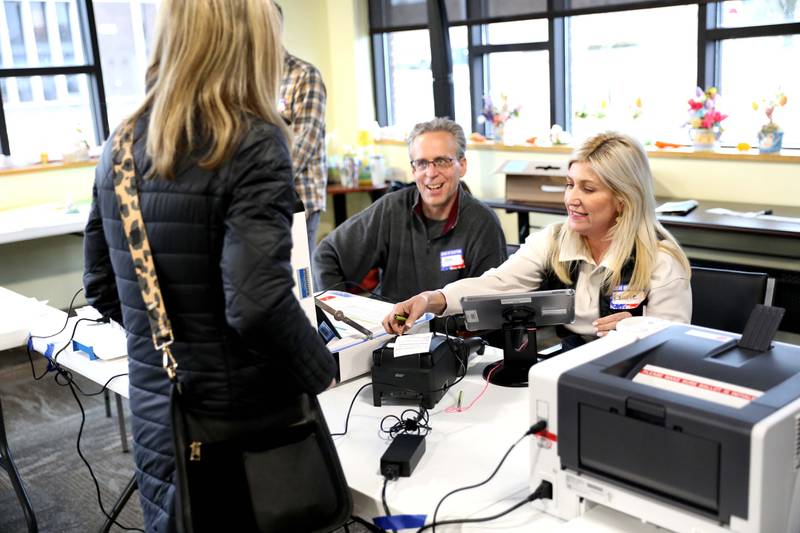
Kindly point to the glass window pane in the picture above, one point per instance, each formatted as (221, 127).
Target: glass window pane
(409, 90)
(40, 33)
(523, 77)
(65, 33)
(123, 55)
(508, 8)
(740, 13)
(394, 13)
(16, 38)
(765, 75)
(68, 118)
(149, 26)
(521, 31)
(51, 29)
(628, 71)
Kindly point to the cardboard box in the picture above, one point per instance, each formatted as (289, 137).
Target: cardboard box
(535, 181)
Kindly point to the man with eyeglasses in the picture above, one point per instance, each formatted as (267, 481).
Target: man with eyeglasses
(423, 237)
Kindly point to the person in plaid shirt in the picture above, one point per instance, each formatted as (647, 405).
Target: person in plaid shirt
(302, 105)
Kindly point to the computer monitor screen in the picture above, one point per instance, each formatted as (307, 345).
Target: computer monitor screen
(544, 308)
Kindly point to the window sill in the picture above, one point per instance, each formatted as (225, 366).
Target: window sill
(43, 167)
(723, 154)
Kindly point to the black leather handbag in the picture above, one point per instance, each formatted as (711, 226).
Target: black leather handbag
(271, 472)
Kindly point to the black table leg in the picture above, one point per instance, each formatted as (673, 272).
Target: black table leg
(339, 208)
(523, 226)
(7, 463)
(119, 504)
(121, 419)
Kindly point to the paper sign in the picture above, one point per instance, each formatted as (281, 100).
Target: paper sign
(411, 344)
(696, 386)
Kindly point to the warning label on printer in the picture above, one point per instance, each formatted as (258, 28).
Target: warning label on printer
(696, 386)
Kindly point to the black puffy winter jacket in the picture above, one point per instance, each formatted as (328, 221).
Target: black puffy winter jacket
(221, 242)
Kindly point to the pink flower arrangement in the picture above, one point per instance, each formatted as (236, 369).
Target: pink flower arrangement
(703, 109)
(498, 115)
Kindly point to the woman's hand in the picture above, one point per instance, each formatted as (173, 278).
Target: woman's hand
(405, 313)
(608, 323)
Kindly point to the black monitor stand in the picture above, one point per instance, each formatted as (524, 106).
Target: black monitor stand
(519, 349)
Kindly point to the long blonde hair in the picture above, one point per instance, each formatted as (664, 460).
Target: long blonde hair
(621, 163)
(215, 65)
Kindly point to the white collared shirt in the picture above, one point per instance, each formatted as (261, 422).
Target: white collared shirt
(669, 295)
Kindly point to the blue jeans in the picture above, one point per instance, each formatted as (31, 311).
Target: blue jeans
(312, 225)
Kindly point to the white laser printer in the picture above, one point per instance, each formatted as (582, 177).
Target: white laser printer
(684, 428)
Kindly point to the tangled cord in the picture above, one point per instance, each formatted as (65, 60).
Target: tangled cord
(409, 421)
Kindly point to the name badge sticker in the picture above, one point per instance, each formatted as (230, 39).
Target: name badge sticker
(622, 298)
(452, 259)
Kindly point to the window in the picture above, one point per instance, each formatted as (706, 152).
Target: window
(46, 75)
(409, 80)
(629, 72)
(122, 28)
(629, 65)
(741, 13)
(766, 75)
(756, 41)
(68, 118)
(523, 78)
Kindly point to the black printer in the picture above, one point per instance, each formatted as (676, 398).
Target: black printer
(423, 377)
(677, 447)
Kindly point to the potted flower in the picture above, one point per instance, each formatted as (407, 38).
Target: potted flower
(705, 119)
(770, 137)
(497, 116)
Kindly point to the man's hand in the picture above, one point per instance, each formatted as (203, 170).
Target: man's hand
(405, 314)
(608, 323)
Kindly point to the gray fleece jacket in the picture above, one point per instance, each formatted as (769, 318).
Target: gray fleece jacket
(414, 254)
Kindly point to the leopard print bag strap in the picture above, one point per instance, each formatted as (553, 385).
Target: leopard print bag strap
(127, 192)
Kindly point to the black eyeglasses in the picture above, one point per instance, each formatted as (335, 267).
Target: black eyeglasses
(421, 165)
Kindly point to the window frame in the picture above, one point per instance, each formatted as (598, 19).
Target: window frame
(710, 35)
(91, 67)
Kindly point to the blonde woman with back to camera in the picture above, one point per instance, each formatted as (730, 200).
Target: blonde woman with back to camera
(214, 171)
(611, 249)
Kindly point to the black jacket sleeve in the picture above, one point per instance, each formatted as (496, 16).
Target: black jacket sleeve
(99, 282)
(256, 270)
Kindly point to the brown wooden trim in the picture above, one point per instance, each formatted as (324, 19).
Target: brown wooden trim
(31, 169)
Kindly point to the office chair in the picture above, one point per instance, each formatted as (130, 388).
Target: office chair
(723, 299)
(7, 464)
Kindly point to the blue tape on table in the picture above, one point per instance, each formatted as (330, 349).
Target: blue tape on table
(88, 350)
(400, 521)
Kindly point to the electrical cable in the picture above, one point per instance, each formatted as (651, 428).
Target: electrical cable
(86, 462)
(486, 382)
(386, 480)
(538, 427)
(64, 378)
(28, 345)
(415, 425)
(347, 418)
(543, 491)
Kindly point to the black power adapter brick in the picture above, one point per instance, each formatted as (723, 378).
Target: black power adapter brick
(402, 455)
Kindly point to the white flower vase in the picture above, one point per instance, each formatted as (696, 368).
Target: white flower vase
(705, 139)
(499, 132)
